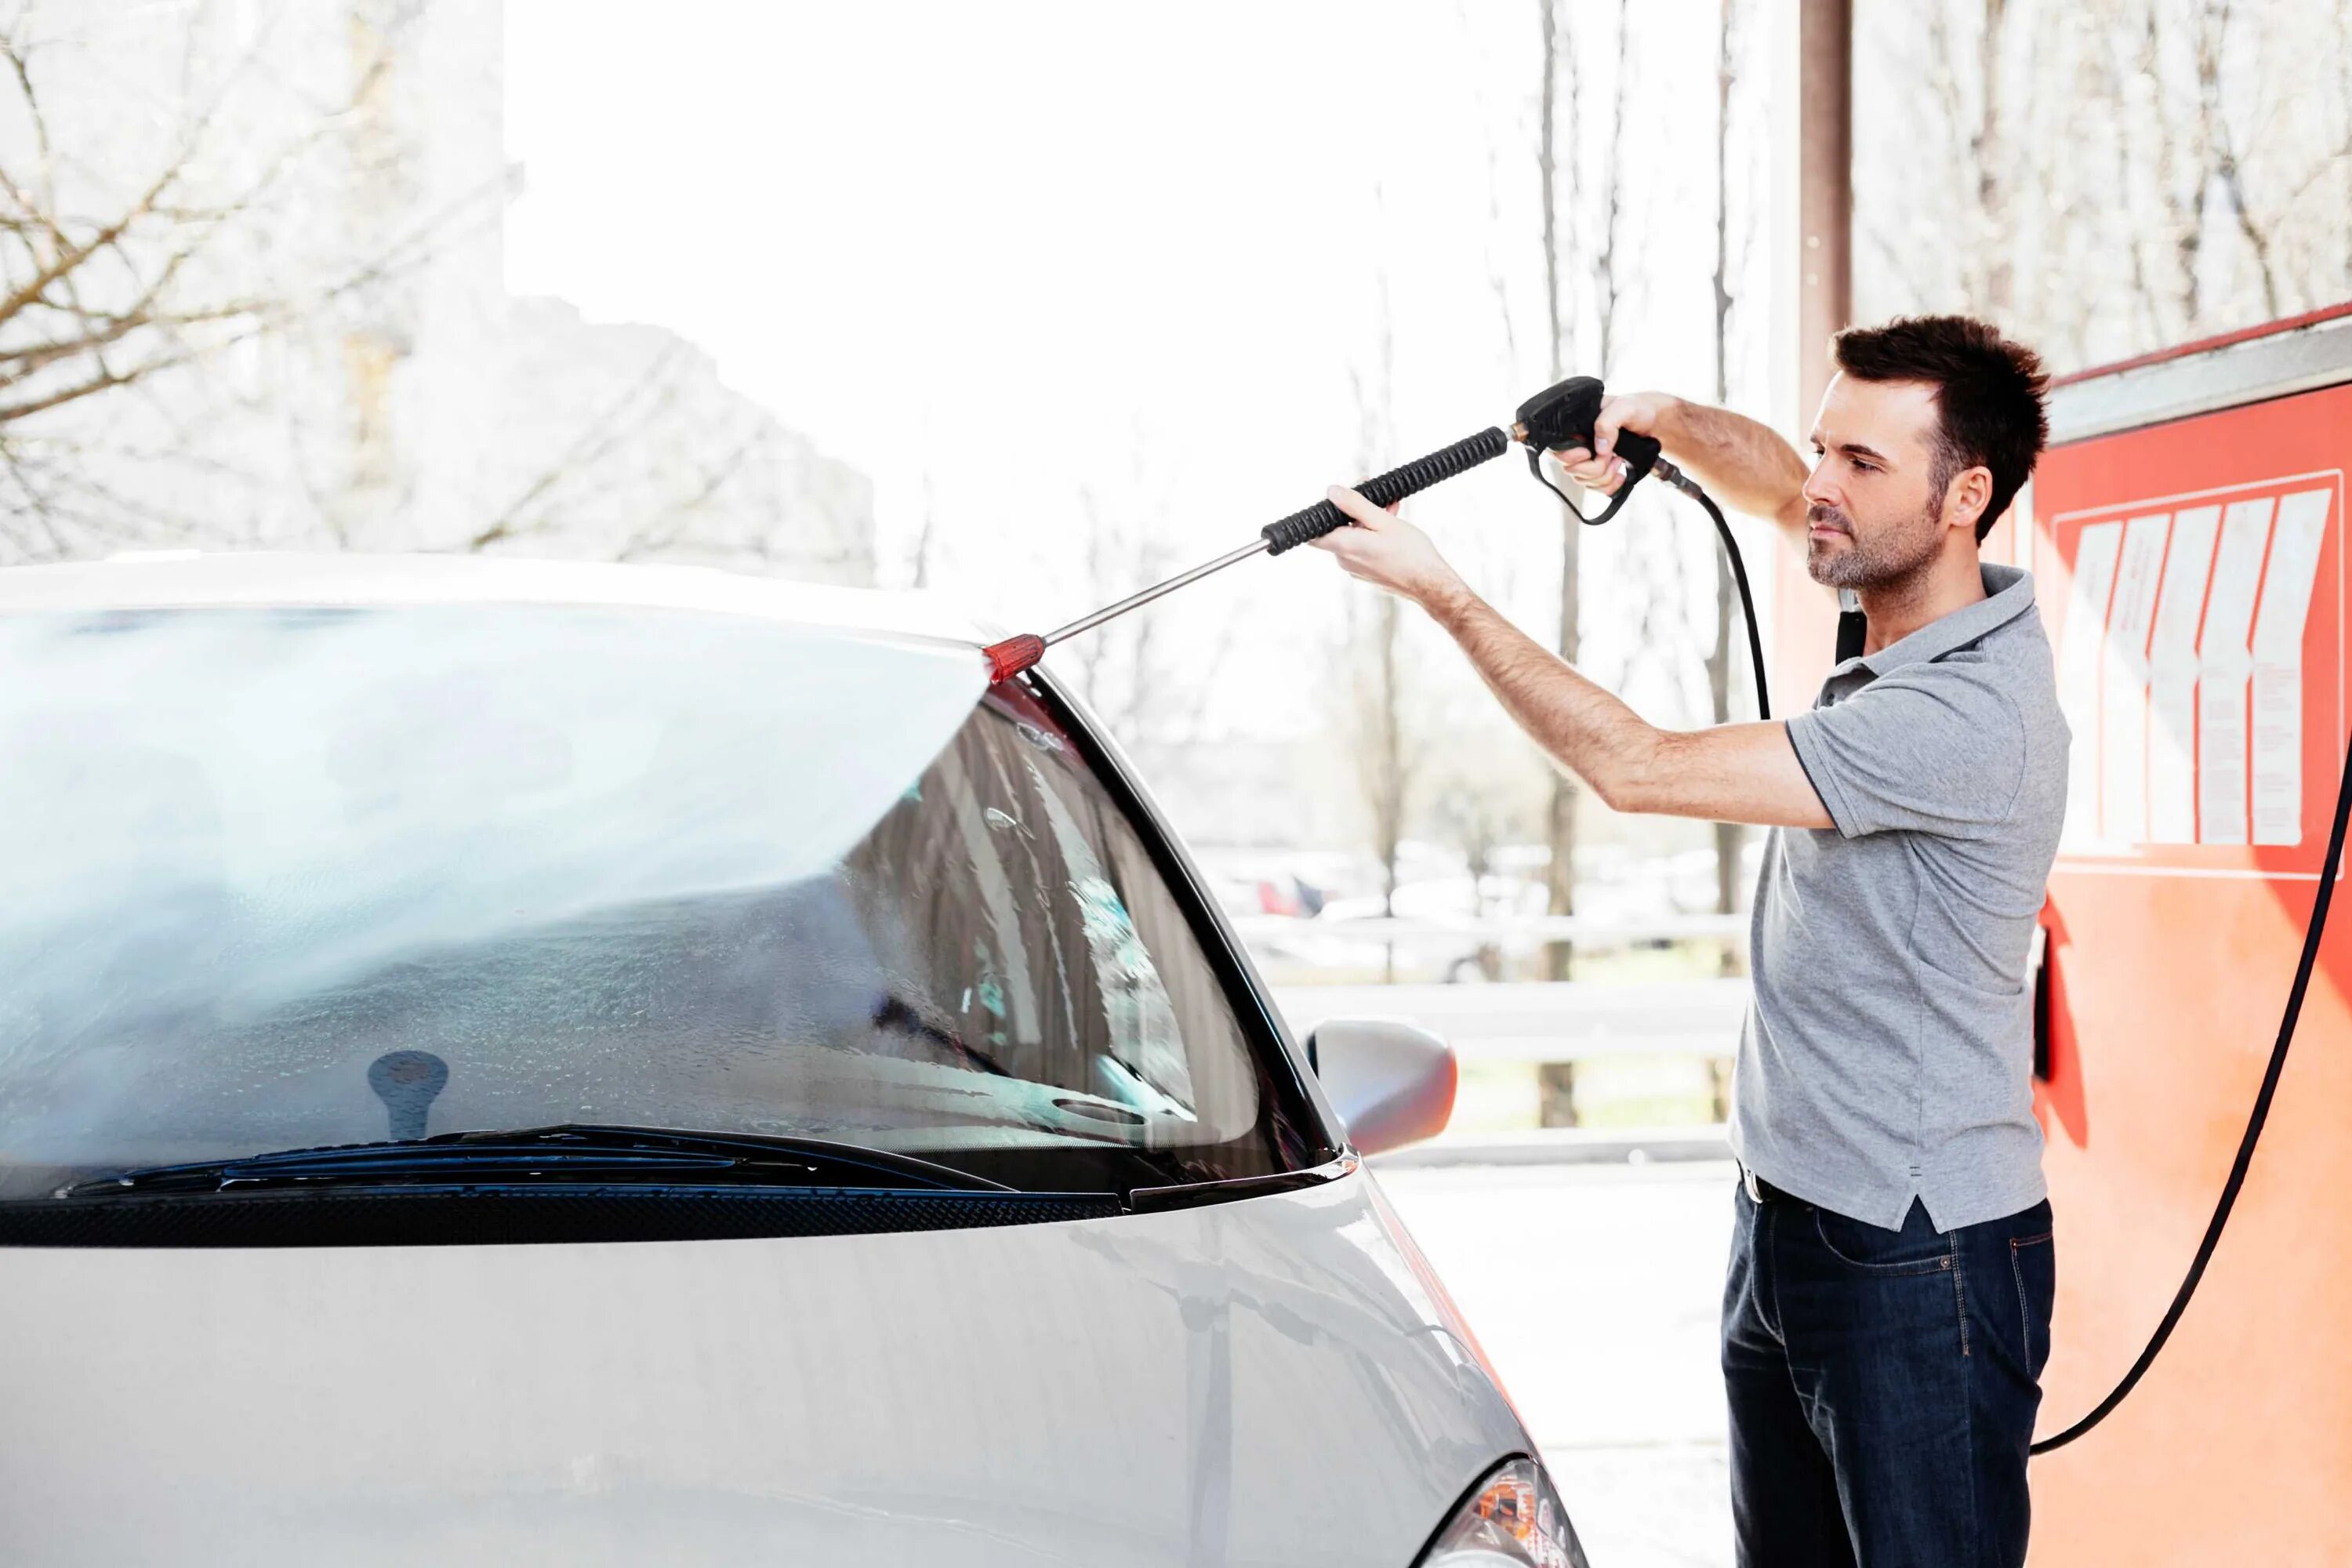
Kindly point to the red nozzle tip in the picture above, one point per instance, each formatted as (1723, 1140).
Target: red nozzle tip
(1011, 657)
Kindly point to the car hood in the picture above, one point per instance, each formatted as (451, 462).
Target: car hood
(1272, 1380)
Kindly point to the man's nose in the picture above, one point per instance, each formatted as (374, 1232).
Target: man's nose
(1819, 492)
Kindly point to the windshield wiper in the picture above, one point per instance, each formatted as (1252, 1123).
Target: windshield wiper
(1193, 1195)
(545, 1155)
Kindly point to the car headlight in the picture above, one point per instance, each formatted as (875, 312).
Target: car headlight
(1514, 1518)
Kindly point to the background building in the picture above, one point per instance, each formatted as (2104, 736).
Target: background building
(268, 310)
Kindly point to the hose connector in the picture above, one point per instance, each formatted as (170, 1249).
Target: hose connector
(1663, 470)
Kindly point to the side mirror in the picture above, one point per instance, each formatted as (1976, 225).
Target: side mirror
(1392, 1083)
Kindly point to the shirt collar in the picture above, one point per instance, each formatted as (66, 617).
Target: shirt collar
(2009, 594)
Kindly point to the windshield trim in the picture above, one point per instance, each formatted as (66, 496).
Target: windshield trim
(1246, 993)
(486, 1214)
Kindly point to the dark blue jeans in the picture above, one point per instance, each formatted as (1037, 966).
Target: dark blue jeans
(1883, 1385)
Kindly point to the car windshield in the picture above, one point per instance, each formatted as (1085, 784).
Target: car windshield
(282, 878)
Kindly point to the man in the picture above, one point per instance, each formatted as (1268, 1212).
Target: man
(1887, 1314)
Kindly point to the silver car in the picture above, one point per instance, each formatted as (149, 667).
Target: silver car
(515, 1062)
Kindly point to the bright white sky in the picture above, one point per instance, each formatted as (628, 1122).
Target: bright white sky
(1013, 253)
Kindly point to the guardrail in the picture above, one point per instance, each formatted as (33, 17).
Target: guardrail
(1553, 1025)
(1512, 930)
(1543, 1021)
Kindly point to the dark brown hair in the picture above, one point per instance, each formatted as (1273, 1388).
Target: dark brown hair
(1988, 396)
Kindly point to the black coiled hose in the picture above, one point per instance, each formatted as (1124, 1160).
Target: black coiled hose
(1387, 489)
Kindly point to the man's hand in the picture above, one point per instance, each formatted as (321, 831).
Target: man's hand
(1741, 462)
(1599, 470)
(1387, 552)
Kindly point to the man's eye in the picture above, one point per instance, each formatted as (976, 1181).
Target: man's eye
(1866, 468)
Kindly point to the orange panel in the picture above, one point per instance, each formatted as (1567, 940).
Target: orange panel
(2201, 565)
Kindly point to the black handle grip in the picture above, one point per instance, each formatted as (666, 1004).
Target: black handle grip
(1560, 418)
(1641, 452)
(1387, 489)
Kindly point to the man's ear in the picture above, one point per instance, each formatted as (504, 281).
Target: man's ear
(1966, 498)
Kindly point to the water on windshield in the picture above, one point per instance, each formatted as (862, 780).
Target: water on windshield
(269, 872)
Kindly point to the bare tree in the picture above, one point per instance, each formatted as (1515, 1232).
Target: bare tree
(925, 537)
(1119, 664)
(2221, 146)
(1591, 248)
(128, 259)
(537, 507)
(2109, 175)
(2132, 61)
(1556, 107)
(1385, 746)
(1719, 664)
(1149, 684)
(1593, 173)
(1387, 760)
(1479, 824)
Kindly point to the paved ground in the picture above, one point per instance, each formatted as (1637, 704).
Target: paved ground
(1594, 1290)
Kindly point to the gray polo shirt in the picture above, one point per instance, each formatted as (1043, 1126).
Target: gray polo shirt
(1889, 1052)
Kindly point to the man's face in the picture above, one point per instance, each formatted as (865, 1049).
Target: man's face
(1872, 516)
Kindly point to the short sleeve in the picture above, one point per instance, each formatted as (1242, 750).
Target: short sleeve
(1932, 748)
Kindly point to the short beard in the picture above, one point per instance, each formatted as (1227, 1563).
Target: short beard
(1874, 564)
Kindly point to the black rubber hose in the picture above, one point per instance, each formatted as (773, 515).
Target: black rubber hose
(1387, 489)
(1747, 599)
(2254, 1123)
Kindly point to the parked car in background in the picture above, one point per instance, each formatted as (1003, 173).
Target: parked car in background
(507, 1061)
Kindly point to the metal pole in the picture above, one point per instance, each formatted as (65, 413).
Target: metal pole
(1818, 268)
(1824, 189)
(1255, 547)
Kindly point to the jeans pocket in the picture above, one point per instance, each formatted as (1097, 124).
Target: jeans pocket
(2034, 1260)
(1875, 1249)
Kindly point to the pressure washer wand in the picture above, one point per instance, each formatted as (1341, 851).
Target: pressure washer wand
(1137, 601)
(1013, 654)
(1553, 420)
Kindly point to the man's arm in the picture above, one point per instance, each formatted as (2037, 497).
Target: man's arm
(1733, 772)
(1737, 460)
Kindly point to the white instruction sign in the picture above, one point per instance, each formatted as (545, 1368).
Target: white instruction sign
(2078, 670)
(2172, 677)
(2277, 718)
(2204, 665)
(2123, 682)
(2224, 661)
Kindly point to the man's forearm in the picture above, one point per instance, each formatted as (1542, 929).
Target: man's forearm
(1585, 729)
(1730, 772)
(1743, 464)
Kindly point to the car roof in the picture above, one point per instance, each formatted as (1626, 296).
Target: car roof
(176, 579)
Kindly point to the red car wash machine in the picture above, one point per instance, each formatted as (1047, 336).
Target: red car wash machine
(2186, 532)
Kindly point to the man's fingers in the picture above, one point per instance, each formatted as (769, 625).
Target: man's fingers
(1593, 473)
(1601, 474)
(1605, 425)
(1347, 546)
(1354, 505)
